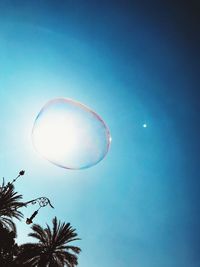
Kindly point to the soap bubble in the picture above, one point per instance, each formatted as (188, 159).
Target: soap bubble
(70, 135)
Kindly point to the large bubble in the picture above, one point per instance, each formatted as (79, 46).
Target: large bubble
(70, 135)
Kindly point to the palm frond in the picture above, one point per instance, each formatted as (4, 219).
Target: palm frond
(8, 224)
(70, 259)
(10, 202)
(73, 248)
(52, 248)
(39, 233)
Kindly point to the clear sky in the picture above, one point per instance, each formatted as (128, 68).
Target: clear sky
(134, 63)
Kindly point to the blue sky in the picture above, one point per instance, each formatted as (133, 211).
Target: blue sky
(133, 64)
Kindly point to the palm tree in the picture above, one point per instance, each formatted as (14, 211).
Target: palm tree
(53, 249)
(9, 204)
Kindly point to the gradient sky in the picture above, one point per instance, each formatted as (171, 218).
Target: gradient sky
(133, 62)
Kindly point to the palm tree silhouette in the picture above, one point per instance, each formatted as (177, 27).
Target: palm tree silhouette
(53, 249)
(9, 204)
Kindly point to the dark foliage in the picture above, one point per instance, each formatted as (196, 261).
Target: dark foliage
(53, 247)
(8, 247)
(9, 205)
